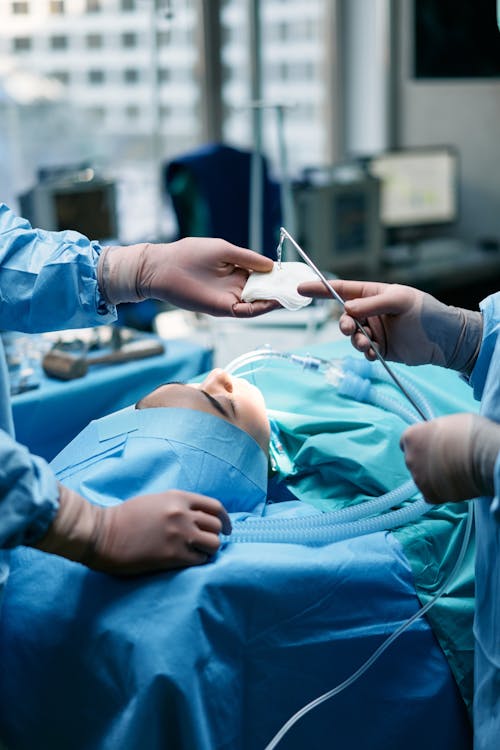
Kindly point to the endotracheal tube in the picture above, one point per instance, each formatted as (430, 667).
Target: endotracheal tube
(353, 378)
(264, 355)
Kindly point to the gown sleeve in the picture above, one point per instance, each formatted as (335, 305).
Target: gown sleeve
(48, 280)
(490, 308)
(28, 494)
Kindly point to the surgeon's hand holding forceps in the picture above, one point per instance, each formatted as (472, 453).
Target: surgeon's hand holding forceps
(284, 235)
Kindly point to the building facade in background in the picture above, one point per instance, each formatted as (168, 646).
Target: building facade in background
(130, 86)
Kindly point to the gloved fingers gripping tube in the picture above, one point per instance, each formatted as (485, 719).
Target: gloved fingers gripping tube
(291, 531)
(375, 371)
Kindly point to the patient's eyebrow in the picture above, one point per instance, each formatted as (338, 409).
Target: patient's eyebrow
(215, 403)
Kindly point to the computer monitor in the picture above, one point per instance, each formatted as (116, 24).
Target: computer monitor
(63, 203)
(454, 40)
(419, 191)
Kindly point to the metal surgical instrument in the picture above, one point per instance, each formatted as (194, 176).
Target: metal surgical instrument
(284, 235)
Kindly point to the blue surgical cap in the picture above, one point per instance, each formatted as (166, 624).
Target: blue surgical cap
(141, 451)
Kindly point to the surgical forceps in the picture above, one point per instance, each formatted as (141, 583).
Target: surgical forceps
(284, 235)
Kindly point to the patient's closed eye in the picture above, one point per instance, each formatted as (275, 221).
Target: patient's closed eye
(217, 404)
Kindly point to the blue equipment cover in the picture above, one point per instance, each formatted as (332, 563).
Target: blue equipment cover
(218, 657)
(47, 418)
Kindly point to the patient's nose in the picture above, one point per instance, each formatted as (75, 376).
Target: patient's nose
(218, 380)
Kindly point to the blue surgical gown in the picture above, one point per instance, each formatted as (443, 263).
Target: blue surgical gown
(485, 380)
(48, 281)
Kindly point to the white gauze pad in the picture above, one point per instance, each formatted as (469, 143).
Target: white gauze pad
(280, 284)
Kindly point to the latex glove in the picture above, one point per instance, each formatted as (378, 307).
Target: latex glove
(168, 530)
(199, 274)
(453, 458)
(408, 325)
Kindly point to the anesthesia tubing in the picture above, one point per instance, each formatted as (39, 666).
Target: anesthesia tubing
(325, 528)
(327, 531)
(361, 389)
(374, 371)
(351, 513)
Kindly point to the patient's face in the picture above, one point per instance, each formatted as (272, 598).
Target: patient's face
(230, 398)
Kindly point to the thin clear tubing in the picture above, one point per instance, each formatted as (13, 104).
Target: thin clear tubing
(350, 377)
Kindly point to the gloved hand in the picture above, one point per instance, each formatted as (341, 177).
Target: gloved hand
(453, 458)
(199, 274)
(168, 530)
(408, 325)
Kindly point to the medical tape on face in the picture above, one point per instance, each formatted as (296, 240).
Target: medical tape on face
(119, 423)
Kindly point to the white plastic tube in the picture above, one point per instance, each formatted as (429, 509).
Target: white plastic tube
(362, 389)
(374, 370)
(385, 502)
(316, 536)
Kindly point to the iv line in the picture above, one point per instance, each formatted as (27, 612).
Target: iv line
(286, 235)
